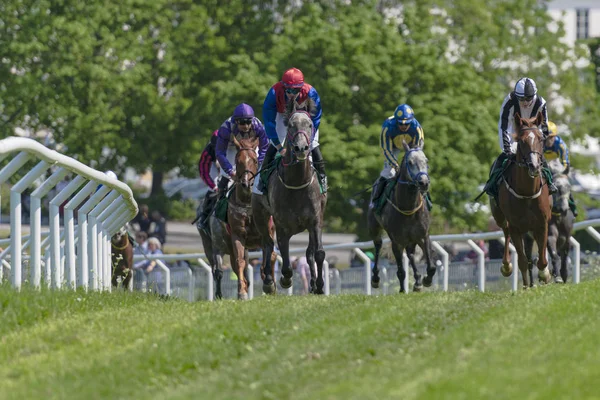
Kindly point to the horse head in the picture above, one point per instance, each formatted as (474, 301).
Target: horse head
(560, 199)
(414, 168)
(246, 160)
(530, 147)
(299, 134)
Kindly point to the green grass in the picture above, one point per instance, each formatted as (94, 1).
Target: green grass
(542, 343)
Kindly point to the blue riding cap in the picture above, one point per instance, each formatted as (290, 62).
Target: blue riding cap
(243, 111)
(404, 114)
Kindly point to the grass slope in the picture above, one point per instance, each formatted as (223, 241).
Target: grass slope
(537, 344)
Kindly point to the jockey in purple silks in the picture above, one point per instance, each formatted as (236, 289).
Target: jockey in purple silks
(242, 123)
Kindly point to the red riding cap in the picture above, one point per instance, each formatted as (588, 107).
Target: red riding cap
(293, 77)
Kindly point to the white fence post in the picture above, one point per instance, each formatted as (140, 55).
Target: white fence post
(577, 266)
(445, 262)
(367, 268)
(209, 275)
(480, 263)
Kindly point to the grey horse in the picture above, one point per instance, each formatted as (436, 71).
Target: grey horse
(405, 218)
(295, 201)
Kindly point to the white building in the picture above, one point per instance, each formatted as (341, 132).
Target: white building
(581, 18)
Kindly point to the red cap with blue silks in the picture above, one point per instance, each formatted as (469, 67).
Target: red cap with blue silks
(293, 78)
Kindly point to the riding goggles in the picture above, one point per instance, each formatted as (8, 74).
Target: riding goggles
(292, 90)
(244, 121)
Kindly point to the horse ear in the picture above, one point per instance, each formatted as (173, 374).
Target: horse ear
(539, 118)
(254, 142)
(236, 143)
(405, 145)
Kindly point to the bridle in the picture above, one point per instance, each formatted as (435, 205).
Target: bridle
(524, 161)
(292, 138)
(413, 179)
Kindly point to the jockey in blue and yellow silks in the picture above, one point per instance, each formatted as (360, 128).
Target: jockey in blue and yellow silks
(402, 126)
(556, 148)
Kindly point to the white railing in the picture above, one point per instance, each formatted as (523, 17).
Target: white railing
(101, 212)
(357, 248)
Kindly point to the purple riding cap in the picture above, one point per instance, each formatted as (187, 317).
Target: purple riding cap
(229, 127)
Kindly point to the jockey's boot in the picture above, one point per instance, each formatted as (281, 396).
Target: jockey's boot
(319, 164)
(551, 187)
(207, 206)
(223, 185)
(269, 157)
(377, 190)
(491, 186)
(572, 205)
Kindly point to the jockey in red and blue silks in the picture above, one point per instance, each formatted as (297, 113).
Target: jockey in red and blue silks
(402, 126)
(206, 170)
(292, 88)
(242, 122)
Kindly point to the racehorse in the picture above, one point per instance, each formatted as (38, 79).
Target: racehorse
(559, 231)
(295, 201)
(405, 218)
(241, 234)
(122, 258)
(523, 200)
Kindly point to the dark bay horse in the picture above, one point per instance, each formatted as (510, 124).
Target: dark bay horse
(406, 219)
(296, 203)
(559, 231)
(122, 258)
(241, 234)
(523, 200)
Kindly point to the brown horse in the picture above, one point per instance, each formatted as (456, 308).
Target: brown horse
(241, 233)
(296, 203)
(122, 258)
(405, 218)
(524, 201)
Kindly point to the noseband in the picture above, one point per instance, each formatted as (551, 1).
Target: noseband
(523, 162)
(252, 174)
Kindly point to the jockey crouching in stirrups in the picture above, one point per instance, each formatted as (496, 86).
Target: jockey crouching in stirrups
(291, 88)
(242, 123)
(525, 101)
(402, 126)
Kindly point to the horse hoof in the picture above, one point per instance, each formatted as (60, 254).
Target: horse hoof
(319, 291)
(375, 284)
(558, 279)
(285, 283)
(506, 270)
(417, 288)
(242, 296)
(269, 289)
(427, 281)
(544, 275)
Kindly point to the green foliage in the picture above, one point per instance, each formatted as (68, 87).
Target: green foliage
(143, 84)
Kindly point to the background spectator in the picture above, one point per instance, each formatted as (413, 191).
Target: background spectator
(158, 227)
(143, 220)
(302, 270)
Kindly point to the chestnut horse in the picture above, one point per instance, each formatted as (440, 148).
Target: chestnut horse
(524, 201)
(122, 258)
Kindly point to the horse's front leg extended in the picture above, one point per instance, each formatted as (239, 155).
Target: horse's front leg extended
(541, 238)
(528, 247)
(319, 257)
(310, 259)
(398, 251)
(239, 265)
(217, 264)
(507, 266)
(522, 257)
(431, 268)
(410, 253)
(283, 241)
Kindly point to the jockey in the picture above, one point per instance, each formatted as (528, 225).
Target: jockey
(524, 100)
(402, 126)
(292, 88)
(555, 148)
(243, 123)
(205, 164)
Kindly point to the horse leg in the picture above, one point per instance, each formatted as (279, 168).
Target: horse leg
(410, 252)
(522, 258)
(319, 258)
(564, 253)
(541, 238)
(217, 265)
(431, 269)
(310, 259)
(528, 246)
(283, 241)
(507, 267)
(375, 234)
(238, 263)
(398, 251)
(552, 244)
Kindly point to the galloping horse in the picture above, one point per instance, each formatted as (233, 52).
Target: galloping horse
(242, 233)
(523, 200)
(405, 218)
(295, 202)
(559, 231)
(122, 258)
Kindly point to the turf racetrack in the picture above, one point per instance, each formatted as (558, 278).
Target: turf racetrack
(543, 343)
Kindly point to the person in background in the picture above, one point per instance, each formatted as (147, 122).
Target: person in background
(158, 227)
(143, 219)
(302, 269)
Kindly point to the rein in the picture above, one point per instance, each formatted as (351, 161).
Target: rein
(411, 212)
(525, 164)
